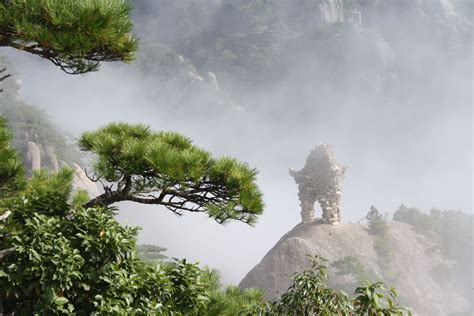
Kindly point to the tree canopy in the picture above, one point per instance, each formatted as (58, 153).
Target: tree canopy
(69, 259)
(60, 254)
(57, 256)
(74, 35)
(11, 168)
(164, 168)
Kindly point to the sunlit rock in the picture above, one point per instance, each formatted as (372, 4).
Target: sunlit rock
(319, 181)
(33, 156)
(413, 268)
(81, 181)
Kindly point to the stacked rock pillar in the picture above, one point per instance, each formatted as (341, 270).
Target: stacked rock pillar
(319, 181)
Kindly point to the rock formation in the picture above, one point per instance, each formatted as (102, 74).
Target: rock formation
(211, 77)
(417, 265)
(39, 142)
(81, 181)
(18, 86)
(44, 156)
(331, 11)
(33, 156)
(319, 181)
(51, 159)
(414, 265)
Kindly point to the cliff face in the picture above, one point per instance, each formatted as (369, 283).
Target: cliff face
(39, 142)
(413, 268)
(368, 48)
(39, 153)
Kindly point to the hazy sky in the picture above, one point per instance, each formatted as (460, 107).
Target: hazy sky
(394, 154)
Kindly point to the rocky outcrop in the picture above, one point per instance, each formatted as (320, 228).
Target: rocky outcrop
(172, 81)
(319, 181)
(331, 11)
(414, 265)
(51, 159)
(43, 156)
(42, 145)
(81, 181)
(33, 156)
(211, 77)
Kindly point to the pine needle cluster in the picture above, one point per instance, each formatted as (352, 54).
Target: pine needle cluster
(164, 168)
(74, 35)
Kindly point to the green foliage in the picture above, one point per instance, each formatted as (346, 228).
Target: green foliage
(451, 229)
(382, 241)
(82, 260)
(373, 299)
(308, 295)
(29, 123)
(57, 256)
(422, 222)
(165, 168)
(150, 253)
(348, 264)
(377, 222)
(11, 168)
(451, 232)
(189, 289)
(236, 301)
(232, 300)
(71, 259)
(351, 265)
(74, 35)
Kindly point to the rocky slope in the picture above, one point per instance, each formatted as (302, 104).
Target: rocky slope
(40, 143)
(415, 266)
(248, 42)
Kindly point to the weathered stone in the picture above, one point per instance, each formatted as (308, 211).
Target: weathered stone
(33, 156)
(331, 11)
(319, 181)
(81, 181)
(18, 85)
(51, 159)
(211, 77)
(412, 264)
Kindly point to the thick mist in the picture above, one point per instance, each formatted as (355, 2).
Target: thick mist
(405, 138)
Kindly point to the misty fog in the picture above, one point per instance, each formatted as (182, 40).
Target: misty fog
(409, 144)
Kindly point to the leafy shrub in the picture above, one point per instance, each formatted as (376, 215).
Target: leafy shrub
(150, 253)
(308, 295)
(351, 265)
(377, 222)
(82, 260)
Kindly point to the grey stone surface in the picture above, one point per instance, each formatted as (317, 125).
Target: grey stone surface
(81, 181)
(51, 159)
(33, 156)
(413, 264)
(331, 11)
(319, 181)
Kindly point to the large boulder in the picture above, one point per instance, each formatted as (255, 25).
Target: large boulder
(413, 267)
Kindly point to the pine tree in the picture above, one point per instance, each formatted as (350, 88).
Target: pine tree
(11, 168)
(165, 168)
(74, 35)
(60, 255)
